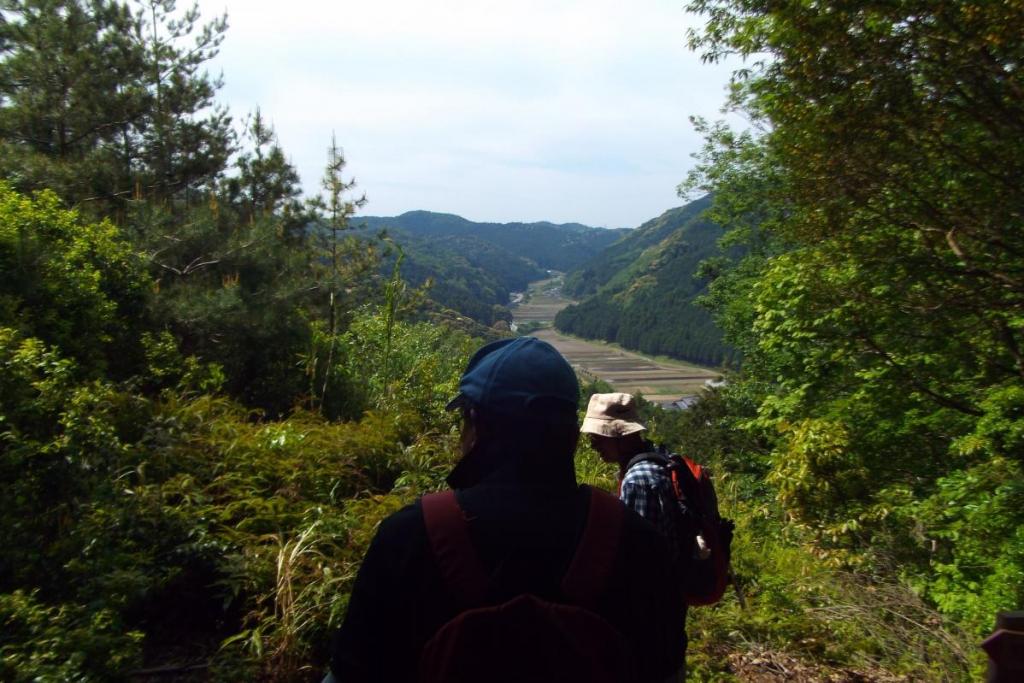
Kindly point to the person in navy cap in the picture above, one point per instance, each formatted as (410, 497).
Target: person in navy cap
(581, 583)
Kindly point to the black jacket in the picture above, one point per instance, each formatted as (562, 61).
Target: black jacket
(526, 530)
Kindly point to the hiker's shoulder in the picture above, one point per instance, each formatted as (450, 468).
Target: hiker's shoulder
(401, 526)
(636, 529)
(641, 544)
(645, 471)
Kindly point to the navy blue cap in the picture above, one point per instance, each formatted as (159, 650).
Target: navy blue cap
(517, 376)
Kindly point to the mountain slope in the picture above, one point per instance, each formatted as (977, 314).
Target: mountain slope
(469, 275)
(640, 291)
(551, 246)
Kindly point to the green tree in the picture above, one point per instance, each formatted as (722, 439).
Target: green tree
(266, 183)
(882, 305)
(69, 95)
(344, 269)
(101, 100)
(186, 139)
(235, 274)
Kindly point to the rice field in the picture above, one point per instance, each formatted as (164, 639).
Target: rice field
(542, 302)
(658, 380)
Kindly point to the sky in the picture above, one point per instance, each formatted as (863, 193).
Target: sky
(521, 110)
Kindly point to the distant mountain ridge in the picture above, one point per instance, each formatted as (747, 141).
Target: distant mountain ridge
(640, 291)
(474, 267)
(550, 246)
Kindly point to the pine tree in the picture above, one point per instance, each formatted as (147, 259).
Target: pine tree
(181, 149)
(342, 262)
(266, 184)
(67, 94)
(100, 101)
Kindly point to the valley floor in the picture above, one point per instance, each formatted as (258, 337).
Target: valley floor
(660, 381)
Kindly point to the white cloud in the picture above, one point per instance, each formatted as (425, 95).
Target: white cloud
(539, 109)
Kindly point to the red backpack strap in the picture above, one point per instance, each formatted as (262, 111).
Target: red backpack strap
(696, 469)
(591, 567)
(456, 558)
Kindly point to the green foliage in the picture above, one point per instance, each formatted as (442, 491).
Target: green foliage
(815, 619)
(102, 100)
(593, 471)
(175, 522)
(977, 553)
(68, 282)
(421, 372)
(266, 184)
(878, 308)
(803, 610)
(61, 643)
(183, 520)
(167, 368)
(174, 490)
(63, 66)
(194, 459)
(58, 439)
(232, 293)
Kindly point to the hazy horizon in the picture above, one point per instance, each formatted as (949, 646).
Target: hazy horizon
(371, 214)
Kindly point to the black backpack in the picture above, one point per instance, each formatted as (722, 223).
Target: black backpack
(703, 538)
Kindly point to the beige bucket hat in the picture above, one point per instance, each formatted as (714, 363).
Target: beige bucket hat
(611, 415)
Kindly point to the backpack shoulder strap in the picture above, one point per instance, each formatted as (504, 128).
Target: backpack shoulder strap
(590, 570)
(697, 470)
(652, 456)
(457, 560)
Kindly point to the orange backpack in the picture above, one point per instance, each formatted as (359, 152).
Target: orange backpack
(704, 538)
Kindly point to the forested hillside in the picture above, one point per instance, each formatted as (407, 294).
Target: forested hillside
(642, 291)
(464, 273)
(550, 246)
(611, 267)
(471, 268)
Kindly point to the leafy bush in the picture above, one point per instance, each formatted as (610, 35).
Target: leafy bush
(192, 528)
(805, 608)
(70, 283)
(64, 643)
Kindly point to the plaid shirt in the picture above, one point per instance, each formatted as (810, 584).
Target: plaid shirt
(647, 489)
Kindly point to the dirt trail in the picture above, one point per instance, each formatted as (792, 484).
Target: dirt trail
(658, 380)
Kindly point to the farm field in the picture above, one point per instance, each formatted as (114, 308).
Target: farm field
(658, 381)
(542, 302)
(661, 381)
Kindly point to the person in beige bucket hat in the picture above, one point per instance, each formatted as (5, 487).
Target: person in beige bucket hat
(617, 434)
(612, 415)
